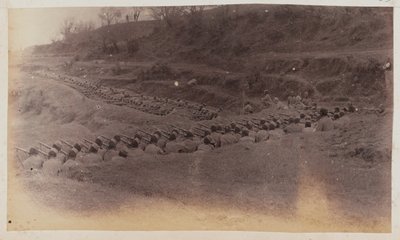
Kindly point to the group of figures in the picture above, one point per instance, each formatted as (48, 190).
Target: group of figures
(150, 104)
(63, 156)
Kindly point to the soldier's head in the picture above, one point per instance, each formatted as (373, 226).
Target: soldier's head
(237, 130)
(72, 153)
(188, 134)
(98, 142)
(117, 138)
(264, 127)
(33, 151)
(213, 128)
(290, 120)
(138, 136)
(123, 154)
(176, 132)
(296, 120)
(77, 147)
(112, 144)
(341, 114)
(323, 112)
(245, 133)
(52, 153)
(249, 126)
(337, 109)
(206, 140)
(93, 148)
(302, 115)
(207, 132)
(262, 121)
(271, 126)
(266, 92)
(308, 124)
(172, 137)
(57, 145)
(336, 116)
(153, 139)
(219, 127)
(233, 125)
(227, 129)
(157, 134)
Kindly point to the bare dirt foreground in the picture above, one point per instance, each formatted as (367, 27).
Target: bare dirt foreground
(331, 181)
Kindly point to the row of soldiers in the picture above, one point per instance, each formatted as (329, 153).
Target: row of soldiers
(63, 156)
(154, 105)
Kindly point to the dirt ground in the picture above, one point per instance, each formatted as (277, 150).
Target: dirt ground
(323, 181)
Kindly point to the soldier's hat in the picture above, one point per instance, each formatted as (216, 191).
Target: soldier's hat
(296, 120)
(336, 116)
(307, 124)
(227, 129)
(233, 125)
(77, 147)
(33, 151)
(264, 126)
(98, 142)
(123, 153)
(157, 133)
(112, 143)
(94, 148)
(262, 121)
(172, 137)
(206, 140)
(271, 126)
(117, 138)
(213, 128)
(72, 153)
(341, 113)
(323, 112)
(176, 132)
(188, 134)
(302, 115)
(138, 136)
(57, 145)
(52, 152)
(133, 143)
(245, 132)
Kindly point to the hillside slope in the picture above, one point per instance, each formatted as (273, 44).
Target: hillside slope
(328, 52)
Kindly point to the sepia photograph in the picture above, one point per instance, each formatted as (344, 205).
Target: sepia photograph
(235, 117)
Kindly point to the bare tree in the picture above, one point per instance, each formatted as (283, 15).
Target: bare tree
(134, 14)
(167, 14)
(194, 14)
(67, 27)
(110, 15)
(82, 26)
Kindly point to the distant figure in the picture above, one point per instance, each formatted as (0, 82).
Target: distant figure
(325, 123)
(267, 100)
(248, 109)
(388, 65)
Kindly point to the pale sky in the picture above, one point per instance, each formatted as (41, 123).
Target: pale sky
(33, 26)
